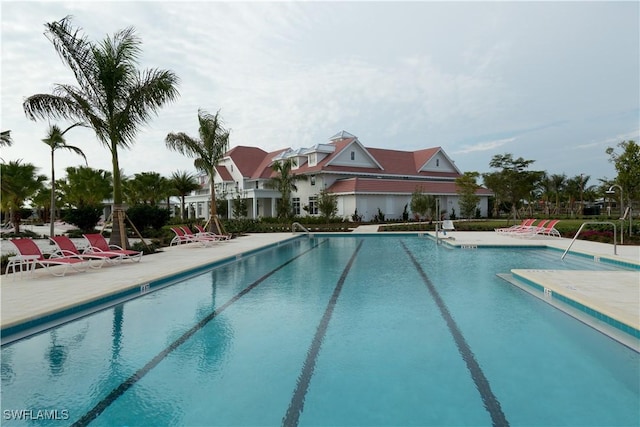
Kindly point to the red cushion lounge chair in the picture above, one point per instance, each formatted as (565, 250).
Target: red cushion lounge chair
(523, 224)
(182, 237)
(545, 229)
(530, 230)
(31, 256)
(97, 243)
(206, 236)
(202, 231)
(67, 247)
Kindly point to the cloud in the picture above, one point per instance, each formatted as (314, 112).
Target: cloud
(484, 146)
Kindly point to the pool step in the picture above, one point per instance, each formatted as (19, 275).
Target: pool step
(567, 300)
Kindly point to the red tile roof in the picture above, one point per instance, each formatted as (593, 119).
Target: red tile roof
(246, 159)
(255, 163)
(224, 173)
(395, 186)
(264, 170)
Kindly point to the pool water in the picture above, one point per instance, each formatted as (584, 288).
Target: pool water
(344, 331)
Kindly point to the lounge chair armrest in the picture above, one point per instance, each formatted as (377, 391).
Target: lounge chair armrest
(116, 247)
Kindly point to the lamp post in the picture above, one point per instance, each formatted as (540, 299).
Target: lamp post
(610, 191)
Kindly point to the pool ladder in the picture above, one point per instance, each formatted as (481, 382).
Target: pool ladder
(615, 248)
(300, 226)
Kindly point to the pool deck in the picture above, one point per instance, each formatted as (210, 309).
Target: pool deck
(28, 297)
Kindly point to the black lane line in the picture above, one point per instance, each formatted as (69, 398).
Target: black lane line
(489, 400)
(129, 382)
(296, 405)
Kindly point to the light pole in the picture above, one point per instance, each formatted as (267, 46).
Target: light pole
(610, 191)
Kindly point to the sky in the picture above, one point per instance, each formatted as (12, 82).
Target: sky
(553, 82)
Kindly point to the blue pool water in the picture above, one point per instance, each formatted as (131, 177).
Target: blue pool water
(345, 331)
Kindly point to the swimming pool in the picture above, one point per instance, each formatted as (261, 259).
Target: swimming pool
(331, 331)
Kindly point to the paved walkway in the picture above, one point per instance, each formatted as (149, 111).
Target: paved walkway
(27, 298)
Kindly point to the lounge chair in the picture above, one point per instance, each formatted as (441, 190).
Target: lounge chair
(202, 231)
(181, 236)
(530, 230)
(547, 228)
(525, 223)
(447, 225)
(67, 247)
(550, 229)
(203, 234)
(97, 243)
(31, 256)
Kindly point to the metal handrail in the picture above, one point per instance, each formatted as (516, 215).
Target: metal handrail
(615, 248)
(293, 227)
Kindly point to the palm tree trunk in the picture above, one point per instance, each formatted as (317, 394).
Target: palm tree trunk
(52, 208)
(118, 230)
(214, 222)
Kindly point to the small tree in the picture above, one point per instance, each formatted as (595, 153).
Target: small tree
(285, 183)
(423, 204)
(327, 205)
(513, 182)
(418, 203)
(19, 183)
(183, 183)
(239, 206)
(466, 187)
(627, 165)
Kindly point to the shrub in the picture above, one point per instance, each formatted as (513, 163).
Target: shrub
(148, 218)
(85, 218)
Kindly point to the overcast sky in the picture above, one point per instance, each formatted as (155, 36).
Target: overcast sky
(554, 82)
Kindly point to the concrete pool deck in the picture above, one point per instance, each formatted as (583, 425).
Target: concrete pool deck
(29, 297)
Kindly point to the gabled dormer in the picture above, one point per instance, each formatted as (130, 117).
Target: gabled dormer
(298, 156)
(435, 160)
(354, 154)
(318, 152)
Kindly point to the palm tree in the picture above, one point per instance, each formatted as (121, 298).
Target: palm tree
(208, 151)
(85, 186)
(19, 182)
(5, 138)
(183, 183)
(147, 188)
(113, 97)
(558, 183)
(285, 183)
(55, 140)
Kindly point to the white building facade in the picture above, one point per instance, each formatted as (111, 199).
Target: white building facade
(365, 181)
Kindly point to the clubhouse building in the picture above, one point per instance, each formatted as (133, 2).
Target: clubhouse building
(364, 180)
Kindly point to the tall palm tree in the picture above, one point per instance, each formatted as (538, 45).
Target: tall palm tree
(113, 97)
(285, 183)
(183, 183)
(558, 183)
(19, 183)
(5, 138)
(207, 151)
(55, 140)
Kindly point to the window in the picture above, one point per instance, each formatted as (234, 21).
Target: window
(353, 155)
(312, 179)
(313, 205)
(437, 162)
(296, 205)
(256, 185)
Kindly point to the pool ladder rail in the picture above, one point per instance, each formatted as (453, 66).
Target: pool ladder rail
(300, 226)
(615, 247)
